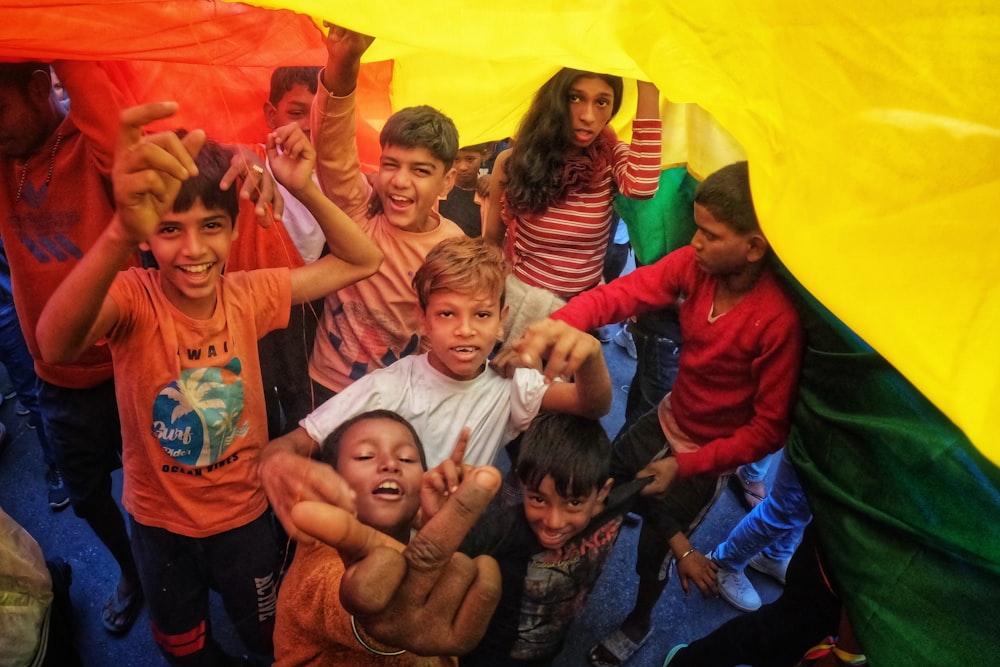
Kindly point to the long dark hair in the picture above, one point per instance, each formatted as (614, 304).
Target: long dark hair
(535, 167)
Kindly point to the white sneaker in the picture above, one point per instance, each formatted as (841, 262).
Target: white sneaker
(736, 589)
(776, 569)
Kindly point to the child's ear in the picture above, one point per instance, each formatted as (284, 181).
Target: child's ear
(270, 115)
(40, 86)
(448, 184)
(602, 495)
(757, 247)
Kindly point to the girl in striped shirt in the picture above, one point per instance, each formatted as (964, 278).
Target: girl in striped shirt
(556, 186)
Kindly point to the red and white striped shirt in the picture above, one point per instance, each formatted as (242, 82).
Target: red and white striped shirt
(562, 249)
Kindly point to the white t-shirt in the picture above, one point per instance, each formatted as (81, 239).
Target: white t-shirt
(496, 409)
(300, 224)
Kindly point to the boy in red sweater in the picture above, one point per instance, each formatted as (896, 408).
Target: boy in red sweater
(735, 383)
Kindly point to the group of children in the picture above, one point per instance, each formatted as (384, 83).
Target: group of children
(406, 400)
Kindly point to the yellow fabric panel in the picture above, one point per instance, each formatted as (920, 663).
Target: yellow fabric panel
(873, 132)
(872, 129)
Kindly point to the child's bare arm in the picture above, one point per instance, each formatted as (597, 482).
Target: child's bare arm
(648, 102)
(569, 354)
(147, 174)
(343, 63)
(353, 256)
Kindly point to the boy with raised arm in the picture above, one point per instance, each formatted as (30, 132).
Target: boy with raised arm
(731, 401)
(374, 322)
(183, 344)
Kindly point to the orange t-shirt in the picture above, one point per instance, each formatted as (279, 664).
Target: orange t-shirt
(313, 629)
(191, 400)
(55, 206)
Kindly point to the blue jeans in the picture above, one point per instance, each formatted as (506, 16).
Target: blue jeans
(656, 363)
(773, 527)
(20, 367)
(757, 470)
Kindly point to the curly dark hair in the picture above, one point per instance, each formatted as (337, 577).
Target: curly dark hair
(543, 138)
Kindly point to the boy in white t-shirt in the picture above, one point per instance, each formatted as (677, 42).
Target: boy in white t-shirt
(460, 288)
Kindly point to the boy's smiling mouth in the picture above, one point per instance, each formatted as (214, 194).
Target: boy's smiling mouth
(196, 268)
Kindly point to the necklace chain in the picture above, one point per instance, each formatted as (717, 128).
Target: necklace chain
(48, 177)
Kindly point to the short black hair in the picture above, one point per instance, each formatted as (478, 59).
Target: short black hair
(284, 78)
(331, 445)
(726, 194)
(574, 450)
(213, 163)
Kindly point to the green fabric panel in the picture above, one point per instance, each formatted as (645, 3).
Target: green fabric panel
(664, 223)
(907, 508)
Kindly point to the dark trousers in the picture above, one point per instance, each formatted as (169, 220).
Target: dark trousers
(177, 573)
(778, 634)
(687, 500)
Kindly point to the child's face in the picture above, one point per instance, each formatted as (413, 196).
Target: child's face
(467, 166)
(556, 519)
(191, 249)
(25, 119)
(591, 101)
(293, 107)
(380, 461)
(719, 249)
(409, 183)
(462, 331)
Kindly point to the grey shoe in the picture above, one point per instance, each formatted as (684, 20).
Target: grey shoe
(776, 569)
(624, 339)
(735, 588)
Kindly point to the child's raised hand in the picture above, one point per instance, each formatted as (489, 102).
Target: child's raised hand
(149, 168)
(428, 585)
(565, 348)
(442, 481)
(292, 157)
(258, 185)
(344, 43)
(508, 360)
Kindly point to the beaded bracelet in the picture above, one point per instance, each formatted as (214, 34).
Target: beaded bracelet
(372, 649)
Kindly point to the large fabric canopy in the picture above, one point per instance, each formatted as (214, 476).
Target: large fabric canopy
(872, 130)
(873, 134)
